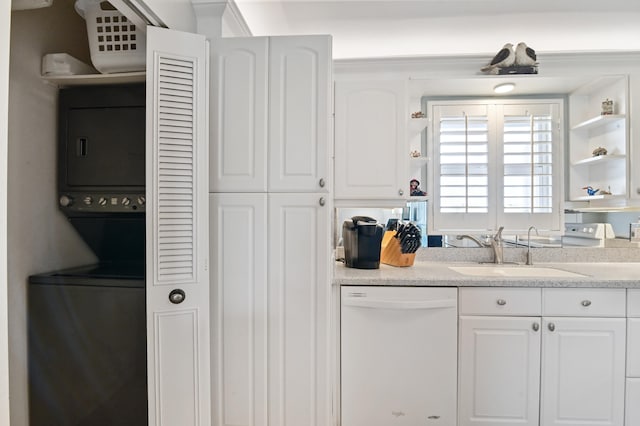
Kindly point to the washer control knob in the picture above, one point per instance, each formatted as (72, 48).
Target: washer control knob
(103, 201)
(88, 200)
(66, 201)
(126, 201)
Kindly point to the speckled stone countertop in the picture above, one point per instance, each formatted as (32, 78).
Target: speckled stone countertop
(596, 267)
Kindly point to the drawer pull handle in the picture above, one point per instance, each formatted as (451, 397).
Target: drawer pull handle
(552, 326)
(536, 326)
(501, 302)
(586, 303)
(321, 201)
(321, 183)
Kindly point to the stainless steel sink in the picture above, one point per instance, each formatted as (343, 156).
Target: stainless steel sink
(514, 271)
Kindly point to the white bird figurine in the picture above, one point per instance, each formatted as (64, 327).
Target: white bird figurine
(525, 56)
(504, 58)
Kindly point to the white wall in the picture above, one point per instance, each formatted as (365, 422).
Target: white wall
(5, 18)
(39, 237)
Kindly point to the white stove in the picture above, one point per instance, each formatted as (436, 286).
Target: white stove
(587, 234)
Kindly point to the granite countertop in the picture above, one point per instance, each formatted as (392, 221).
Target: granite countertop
(433, 270)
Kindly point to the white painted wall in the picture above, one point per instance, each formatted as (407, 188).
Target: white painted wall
(39, 237)
(5, 21)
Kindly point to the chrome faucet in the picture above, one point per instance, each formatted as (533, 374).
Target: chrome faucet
(472, 238)
(529, 258)
(496, 245)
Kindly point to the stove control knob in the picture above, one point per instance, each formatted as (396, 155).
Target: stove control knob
(87, 200)
(126, 201)
(103, 201)
(142, 200)
(66, 201)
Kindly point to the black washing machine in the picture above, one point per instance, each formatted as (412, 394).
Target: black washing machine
(87, 346)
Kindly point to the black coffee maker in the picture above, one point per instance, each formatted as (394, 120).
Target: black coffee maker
(362, 237)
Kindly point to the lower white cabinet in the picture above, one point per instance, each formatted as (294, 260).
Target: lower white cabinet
(583, 373)
(499, 370)
(632, 400)
(270, 309)
(523, 369)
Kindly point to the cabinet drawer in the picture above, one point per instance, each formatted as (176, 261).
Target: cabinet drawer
(633, 303)
(584, 302)
(500, 301)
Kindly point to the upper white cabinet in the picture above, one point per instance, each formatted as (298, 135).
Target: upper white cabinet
(271, 106)
(590, 130)
(371, 147)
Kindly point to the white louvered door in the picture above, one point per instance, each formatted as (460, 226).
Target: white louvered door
(177, 229)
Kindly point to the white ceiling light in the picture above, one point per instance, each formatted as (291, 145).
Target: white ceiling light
(504, 88)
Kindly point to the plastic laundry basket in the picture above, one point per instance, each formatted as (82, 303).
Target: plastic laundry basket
(116, 45)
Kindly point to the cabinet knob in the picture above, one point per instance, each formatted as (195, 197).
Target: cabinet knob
(501, 302)
(177, 296)
(321, 183)
(535, 326)
(552, 326)
(321, 201)
(586, 303)
(400, 192)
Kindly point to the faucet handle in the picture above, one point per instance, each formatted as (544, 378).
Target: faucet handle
(498, 235)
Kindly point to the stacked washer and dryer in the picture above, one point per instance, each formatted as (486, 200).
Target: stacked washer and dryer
(87, 325)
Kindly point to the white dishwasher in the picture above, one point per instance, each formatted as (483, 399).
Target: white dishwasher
(398, 356)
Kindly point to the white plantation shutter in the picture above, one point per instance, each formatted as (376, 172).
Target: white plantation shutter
(175, 198)
(530, 183)
(461, 164)
(496, 164)
(528, 160)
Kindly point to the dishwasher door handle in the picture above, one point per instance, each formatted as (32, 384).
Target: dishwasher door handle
(359, 302)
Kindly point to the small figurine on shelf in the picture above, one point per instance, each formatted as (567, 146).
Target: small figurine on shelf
(599, 151)
(417, 114)
(590, 190)
(415, 188)
(607, 107)
(415, 154)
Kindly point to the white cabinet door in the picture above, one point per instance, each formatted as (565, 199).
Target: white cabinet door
(177, 276)
(239, 308)
(271, 105)
(239, 104)
(299, 310)
(499, 368)
(583, 371)
(371, 149)
(300, 76)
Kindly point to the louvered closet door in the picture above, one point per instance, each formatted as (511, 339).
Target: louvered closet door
(177, 229)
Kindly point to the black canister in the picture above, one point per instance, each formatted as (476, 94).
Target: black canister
(362, 238)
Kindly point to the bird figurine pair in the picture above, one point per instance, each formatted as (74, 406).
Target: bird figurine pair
(522, 56)
(590, 190)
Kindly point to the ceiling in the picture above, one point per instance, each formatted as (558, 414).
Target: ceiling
(391, 28)
(436, 28)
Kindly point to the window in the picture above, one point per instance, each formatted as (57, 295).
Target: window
(495, 163)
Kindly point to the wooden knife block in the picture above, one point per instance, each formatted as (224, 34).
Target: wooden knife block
(391, 253)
